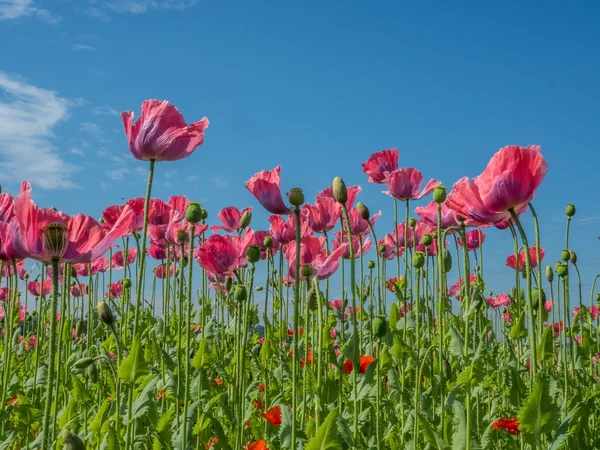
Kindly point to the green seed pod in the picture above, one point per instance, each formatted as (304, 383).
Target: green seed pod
(182, 235)
(241, 293)
(306, 270)
(565, 255)
(570, 210)
(371, 264)
(382, 248)
(84, 362)
(412, 222)
(296, 197)
(597, 298)
(259, 288)
(380, 327)
(439, 194)
(418, 259)
(561, 269)
(572, 257)
(549, 274)
(126, 282)
(268, 242)
(105, 313)
(246, 219)
(253, 254)
(55, 238)
(427, 239)
(72, 441)
(193, 213)
(204, 214)
(447, 260)
(363, 211)
(79, 328)
(340, 192)
(92, 373)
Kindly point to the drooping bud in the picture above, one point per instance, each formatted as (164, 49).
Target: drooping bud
(92, 373)
(561, 269)
(72, 441)
(565, 255)
(73, 272)
(182, 235)
(380, 327)
(193, 213)
(204, 214)
(105, 313)
(597, 298)
(570, 210)
(296, 197)
(241, 293)
(572, 257)
(253, 254)
(418, 259)
(549, 274)
(340, 192)
(126, 282)
(371, 264)
(306, 270)
(439, 194)
(82, 363)
(259, 288)
(427, 239)
(476, 268)
(55, 238)
(246, 219)
(363, 211)
(268, 242)
(412, 222)
(447, 260)
(79, 328)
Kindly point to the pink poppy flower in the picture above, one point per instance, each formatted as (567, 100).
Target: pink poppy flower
(404, 184)
(391, 282)
(230, 217)
(473, 241)
(511, 260)
(380, 165)
(177, 224)
(506, 317)
(509, 182)
(284, 230)
(337, 304)
(8, 270)
(117, 259)
(389, 252)
(161, 133)
(161, 271)
(100, 265)
(266, 187)
(548, 305)
(257, 238)
(323, 215)
(313, 254)
(499, 300)
(79, 291)
(333, 333)
(11, 248)
(222, 255)
(360, 246)
(454, 290)
(594, 312)
(115, 290)
(36, 288)
(429, 214)
(358, 225)
(7, 212)
(156, 250)
(353, 191)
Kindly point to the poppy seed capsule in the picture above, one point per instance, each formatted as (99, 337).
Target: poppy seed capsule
(204, 214)
(427, 239)
(306, 270)
(418, 259)
(439, 194)
(193, 213)
(565, 255)
(382, 248)
(363, 211)
(379, 327)
(570, 210)
(268, 242)
(82, 363)
(296, 197)
(241, 293)
(549, 274)
(371, 264)
(126, 282)
(597, 298)
(573, 257)
(253, 254)
(72, 441)
(246, 219)
(105, 313)
(55, 238)
(340, 192)
(412, 222)
(561, 269)
(182, 235)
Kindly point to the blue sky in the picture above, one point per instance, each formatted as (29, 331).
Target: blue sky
(314, 86)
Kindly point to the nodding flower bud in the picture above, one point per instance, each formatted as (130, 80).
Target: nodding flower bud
(193, 213)
(259, 288)
(363, 211)
(105, 313)
(55, 238)
(447, 260)
(561, 269)
(246, 219)
(182, 235)
(340, 192)
(382, 248)
(306, 270)
(26, 276)
(296, 197)
(572, 257)
(82, 363)
(570, 210)
(597, 298)
(371, 264)
(101, 221)
(126, 282)
(79, 328)
(241, 293)
(253, 254)
(565, 255)
(427, 239)
(476, 268)
(204, 214)
(418, 259)
(72, 441)
(268, 242)
(439, 194)
(412, 222)
(549, 274)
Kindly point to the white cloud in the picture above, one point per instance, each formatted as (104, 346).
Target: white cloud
(15, 9)
(83, 48)
(92, 129)
(97, 13)
(104, 111)
(142, 6)
(117, 174)
(220, 181)
(28, 116)
(77, 151)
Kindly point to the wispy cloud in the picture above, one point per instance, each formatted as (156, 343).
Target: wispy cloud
(16, 9)
(101, 8)
(104, 111)
(97, 13)
(28, 116)
(92, 129)
(219, 181)
(83, 48)
(77, 151)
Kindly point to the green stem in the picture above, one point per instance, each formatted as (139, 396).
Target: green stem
(296, 330)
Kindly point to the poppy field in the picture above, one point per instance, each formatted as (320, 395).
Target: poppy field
(150, 329)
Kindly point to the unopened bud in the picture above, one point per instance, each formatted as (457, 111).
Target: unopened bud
(268, 242)
(379, 327)
(79, 328)
(306, 270)
(363, 211)
(253, 254)
(570, 210)
(126, 282)
(565, 255)
(105, 313)
(382, 248)
(439, 194)
(418, 259)
(204, 214)
(82, 363)
(72, 441)
(182, 235)
(549, 274)
(296, 197)
(92, 373)
(340, 192)
(561, 269)
(241, 293)
(246, 219)
(447, 260)
(412, 222)
(311, 299)
(73, 272)
(55, 238)
(572, 257)
(193, 213)
(259, 288)
(427, 239)
(597, 298)
(228, 284)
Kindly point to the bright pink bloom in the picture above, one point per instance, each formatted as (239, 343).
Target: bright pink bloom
(360, 246)
(429, 214)
(390, 250)
(176, 224)
(258, 238)
(548, 305)
(358, 225)
(161, 271)
(510, 261)
(404, 184)
(115, 290)
(79, 291)
(230, 217)
(156, 251)
(380, 165)
(222, 255)
(313, 254)
(391, 282)
(100, 265)
(499, 300)
(266, 187)
(10, 247)
(36, 288)
(8, 270)
(284, 231)
(506, 317)
(473, 242)
(161, 133)
(594, 312)
(353, 191)
(337, 304)
(117, 258)
(3, 294)
(7, 202)
(509, 182)
(455, 289)
(323, 215)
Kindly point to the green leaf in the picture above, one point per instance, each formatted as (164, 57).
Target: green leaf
(328, 437)
(562, 433)
(456, 343)
(518, 330)
(545, 349)
(202, 358)
(432, 436)
(134, 366)
(100, 418)
(539, 414)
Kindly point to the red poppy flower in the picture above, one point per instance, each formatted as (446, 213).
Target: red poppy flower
(160, 394)
(273, 415)
(13, 401)
(364, 364)
(219, 382)
(258, 404)
(257, 445)
(510, 425)
(261, 387)
(310, 359)
(347, 366)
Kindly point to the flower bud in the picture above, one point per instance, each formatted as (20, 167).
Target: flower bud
(561, 269)
(246, 219)
(241, 293)
(259, 288)
(371, 264)
(228, 284)
(382, 248)
(182, 235)
(55, 238)
(73, 272)
(204, 214)
(253, 254)
(26, 275)
(126, 282)
(105, 313)
(570, 210)
(306, 270)
(268, 242)
(92, 373)
(597, 298)
(565, 255)
(572, 257)
(193, 213)
(549, 274)
(418, 259)
(296, 197)
(447, 260)
(82, 363)
(72, 441)
(439, 194)
(460, 218)
(380, 327)
(427, 239)
(79, 328)
(340, 192)
(412, 222)
(363, 211)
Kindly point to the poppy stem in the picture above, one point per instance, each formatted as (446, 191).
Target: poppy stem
(296, 331)
(187, 335)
